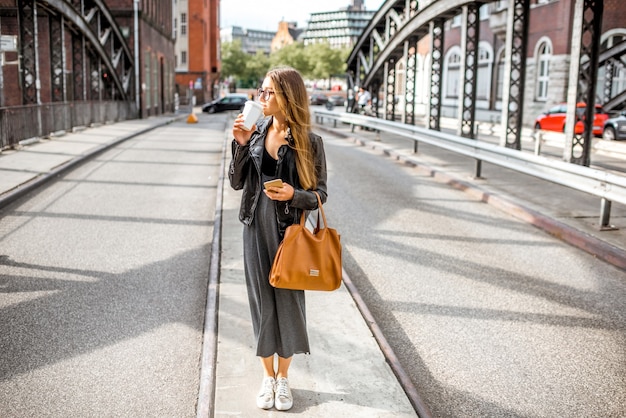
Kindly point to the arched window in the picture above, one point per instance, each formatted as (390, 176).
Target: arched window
(422, 85)
(483, 82)
(543, 57)
(500, 75)
(452, 68)
(400, 78)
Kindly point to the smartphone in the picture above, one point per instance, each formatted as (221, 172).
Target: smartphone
(273, 183)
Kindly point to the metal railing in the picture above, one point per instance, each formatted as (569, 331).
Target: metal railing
(607, 186)
(35, 121)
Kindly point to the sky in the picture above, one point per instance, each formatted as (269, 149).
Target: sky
(265, 14)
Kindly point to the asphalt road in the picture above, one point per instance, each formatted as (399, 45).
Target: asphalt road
(490, 316)
(103, 281)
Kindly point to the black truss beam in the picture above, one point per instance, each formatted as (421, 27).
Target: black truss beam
(470, 69)
(436, 72)
(587, 79)
(27, 16)
(518, 43)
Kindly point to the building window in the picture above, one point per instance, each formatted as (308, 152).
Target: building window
(183, 24)
(155, 80)
(183, 57)
(483, 80)
(544, 55)
(147, 76)
(501, 5)
(452, 67)
(500, 75)
(484, 12)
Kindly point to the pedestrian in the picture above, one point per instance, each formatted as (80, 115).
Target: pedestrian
(280, 145)
(364, 99)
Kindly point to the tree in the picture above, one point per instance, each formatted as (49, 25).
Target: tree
(256, 68)
(293, 55)
(316, 61)
(324, 61)
(233, 60)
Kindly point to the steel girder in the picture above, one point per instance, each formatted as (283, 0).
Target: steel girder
(436, 73)
(408, 116)
(612, 60)
(583, 78)
(470, 38)
(94, 33)
(57, 59)
(78, 67)
(376, 46)
(29, 60)
(390, 89)
(515, 73)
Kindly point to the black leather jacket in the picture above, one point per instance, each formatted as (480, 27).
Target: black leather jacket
(245, 173)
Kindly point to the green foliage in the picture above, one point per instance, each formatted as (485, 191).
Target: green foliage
(317, 61)
(256, 68)
(233, 60)
(293, 55)
(325, 61)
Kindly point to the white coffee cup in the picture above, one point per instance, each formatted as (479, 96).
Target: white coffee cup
(252, 111)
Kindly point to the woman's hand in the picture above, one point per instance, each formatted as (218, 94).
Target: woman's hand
(280, 193)
(241, 135)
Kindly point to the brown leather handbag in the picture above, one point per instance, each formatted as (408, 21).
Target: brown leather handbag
(308, 260)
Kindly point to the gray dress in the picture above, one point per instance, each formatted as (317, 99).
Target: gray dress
(278, 315)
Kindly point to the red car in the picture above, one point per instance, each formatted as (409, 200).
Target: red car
(554, 119)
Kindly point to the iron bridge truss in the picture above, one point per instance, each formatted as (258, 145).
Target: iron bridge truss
(392, 37)
(102, 64)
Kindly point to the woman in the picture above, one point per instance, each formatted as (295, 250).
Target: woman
(280, 145)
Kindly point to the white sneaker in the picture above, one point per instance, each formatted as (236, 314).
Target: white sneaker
(265, 398)
(284, 400)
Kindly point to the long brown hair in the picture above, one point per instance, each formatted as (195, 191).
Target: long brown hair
(293, 101)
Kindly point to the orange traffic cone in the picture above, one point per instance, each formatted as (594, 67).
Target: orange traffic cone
(192, 118)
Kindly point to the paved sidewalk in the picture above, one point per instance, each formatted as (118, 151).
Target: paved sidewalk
(25, 169)
(345, 375)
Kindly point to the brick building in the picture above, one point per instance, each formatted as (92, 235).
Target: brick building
(197, 49)
(155, 50)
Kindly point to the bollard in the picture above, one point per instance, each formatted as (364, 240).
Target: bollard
(479, 169)
(538, 138)
(605, 215)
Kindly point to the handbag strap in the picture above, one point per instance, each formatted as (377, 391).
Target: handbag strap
(320, 210)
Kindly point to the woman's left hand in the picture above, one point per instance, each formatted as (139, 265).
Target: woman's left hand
(280, 193)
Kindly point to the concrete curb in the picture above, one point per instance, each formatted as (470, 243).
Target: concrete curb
(208, 358)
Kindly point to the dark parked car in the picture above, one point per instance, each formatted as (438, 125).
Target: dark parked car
(318, 99)
(337, 100)
(229, 102)
(615, 128)
(554, 119)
